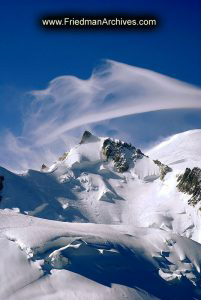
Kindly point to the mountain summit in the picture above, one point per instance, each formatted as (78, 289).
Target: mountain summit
(88, 137)
(112, 220)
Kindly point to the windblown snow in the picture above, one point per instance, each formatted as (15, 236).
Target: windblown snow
(100, 223)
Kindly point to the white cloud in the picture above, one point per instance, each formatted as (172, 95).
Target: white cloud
(69, 104)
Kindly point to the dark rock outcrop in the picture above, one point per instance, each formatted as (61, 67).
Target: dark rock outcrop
(164, 169)
(88, 137)
(63, 157)
(121, 153)
(190, 183)
(44, 168)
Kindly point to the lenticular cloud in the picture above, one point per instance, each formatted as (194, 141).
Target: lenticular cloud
(113, 90)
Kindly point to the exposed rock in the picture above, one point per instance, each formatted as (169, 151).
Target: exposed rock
(164, 169)
(88, 137)
(44, 167)
(121, 153)
(63, 157)
(56, 260)
(139, 154)
(190, 183)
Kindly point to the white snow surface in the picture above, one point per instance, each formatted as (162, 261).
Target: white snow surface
(81, 230)
(180, 150)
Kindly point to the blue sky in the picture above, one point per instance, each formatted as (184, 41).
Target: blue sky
(31, 57)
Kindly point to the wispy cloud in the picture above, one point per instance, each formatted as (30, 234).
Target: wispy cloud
(70, 104)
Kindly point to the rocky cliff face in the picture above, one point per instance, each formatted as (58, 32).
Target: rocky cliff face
(88, 137)
(164, 169)
(122, 154)
(190, 183)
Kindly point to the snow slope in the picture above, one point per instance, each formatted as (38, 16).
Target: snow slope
(180, 150)
(125, 235)
(92, 260)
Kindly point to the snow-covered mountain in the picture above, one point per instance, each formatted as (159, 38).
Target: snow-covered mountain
(105, 221)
